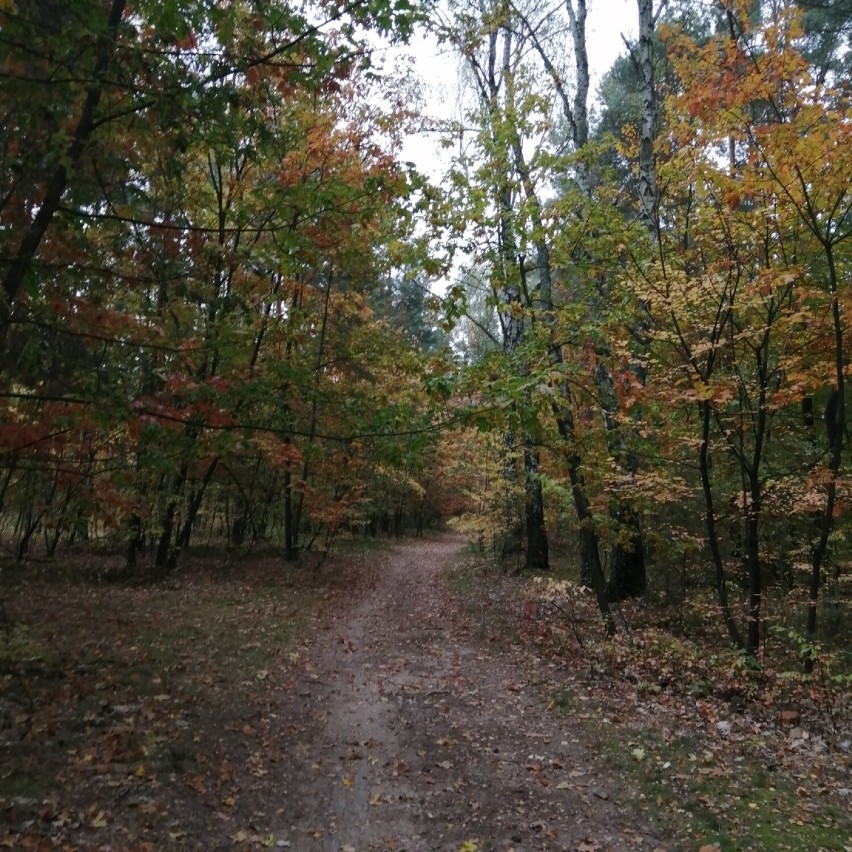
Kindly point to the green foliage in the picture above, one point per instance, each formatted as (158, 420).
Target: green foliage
(193, 338)
(830, 666)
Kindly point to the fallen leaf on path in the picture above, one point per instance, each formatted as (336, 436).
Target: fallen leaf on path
(100, 820)
(196, 783)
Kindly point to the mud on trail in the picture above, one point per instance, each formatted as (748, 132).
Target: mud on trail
(409, 732)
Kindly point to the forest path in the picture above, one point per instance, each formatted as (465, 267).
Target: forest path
(408, 732)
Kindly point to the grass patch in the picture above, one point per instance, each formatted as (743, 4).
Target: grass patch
(704, 796)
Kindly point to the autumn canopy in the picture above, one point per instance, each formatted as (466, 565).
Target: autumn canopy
(218, 323)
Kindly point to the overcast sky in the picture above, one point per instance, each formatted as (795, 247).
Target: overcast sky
(606, 22)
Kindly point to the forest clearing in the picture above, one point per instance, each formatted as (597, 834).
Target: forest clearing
(587, 367)
(396, 698)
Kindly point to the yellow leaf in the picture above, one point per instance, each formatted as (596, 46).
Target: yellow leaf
(469, 846)
(101, 820)
(140, 771)
(347, 781)
(229, 801)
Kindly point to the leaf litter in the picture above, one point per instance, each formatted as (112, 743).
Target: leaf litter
(368, 706)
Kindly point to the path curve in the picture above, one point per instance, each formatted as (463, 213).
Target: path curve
(409, 733)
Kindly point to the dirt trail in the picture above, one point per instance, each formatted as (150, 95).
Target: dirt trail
(412, 734)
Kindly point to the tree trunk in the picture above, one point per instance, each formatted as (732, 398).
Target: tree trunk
(135, 541)
(710, 526)
(588, 537)
(627, 574)
(754, 579)
(165, 560)
(537, 548)
(627, 577)
(648, 195)
(835, 425)
(290, 549)
(195, 504)
(28, 525)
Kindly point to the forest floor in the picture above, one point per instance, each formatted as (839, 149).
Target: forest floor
(402, 698)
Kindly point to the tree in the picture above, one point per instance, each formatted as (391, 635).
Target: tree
(492, 56)
(404, 303)
(514, 181)
(744, 285)
(193, 239)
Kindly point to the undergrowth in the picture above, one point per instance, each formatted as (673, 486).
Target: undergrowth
(727, 751)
